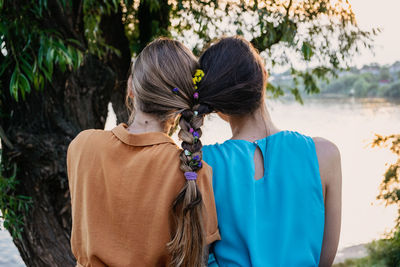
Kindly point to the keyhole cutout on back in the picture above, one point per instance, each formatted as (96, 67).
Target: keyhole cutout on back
(258, 164)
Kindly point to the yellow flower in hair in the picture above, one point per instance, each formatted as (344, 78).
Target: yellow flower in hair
(198, 75)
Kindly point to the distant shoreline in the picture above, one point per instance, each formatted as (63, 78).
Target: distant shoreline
(352, 252)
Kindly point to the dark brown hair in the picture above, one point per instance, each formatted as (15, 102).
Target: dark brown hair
(235, 78)
(162, 66)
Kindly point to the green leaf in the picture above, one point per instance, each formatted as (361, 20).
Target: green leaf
(49, 61)
(307, 51)
(46, 74)
(74, 41)
(36, 84)
(41, 82)
(27, 68)
(14, 84)
(40, 56)
(25, 86)
(296, 93)
(62, 64)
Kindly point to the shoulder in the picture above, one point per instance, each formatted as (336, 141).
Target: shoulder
(294, 137)
(217, 153)
(210, 150)
(212, 147)
(228, 145)
(328, 159)
(91, 138)
(291, 145)
(328, 153)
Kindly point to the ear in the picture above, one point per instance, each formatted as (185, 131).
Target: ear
(129, 87)
(130, 93)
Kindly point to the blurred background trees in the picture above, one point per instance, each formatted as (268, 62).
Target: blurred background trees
(63, 61)
(368, 81)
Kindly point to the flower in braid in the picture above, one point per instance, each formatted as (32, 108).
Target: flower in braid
(187, 207)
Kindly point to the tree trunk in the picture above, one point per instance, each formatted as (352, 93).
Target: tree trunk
(40, 130)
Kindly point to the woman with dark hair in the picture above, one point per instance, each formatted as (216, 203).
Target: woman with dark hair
(277, 193)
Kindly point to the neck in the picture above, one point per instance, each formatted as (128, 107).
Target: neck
(252, 127)
(144, 123)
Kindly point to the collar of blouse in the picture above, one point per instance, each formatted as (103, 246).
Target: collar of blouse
(143, 139)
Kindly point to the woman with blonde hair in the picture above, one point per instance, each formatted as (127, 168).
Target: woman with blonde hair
(137, 199)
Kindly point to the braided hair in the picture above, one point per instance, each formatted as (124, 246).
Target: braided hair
(187, 207)
(164, 83)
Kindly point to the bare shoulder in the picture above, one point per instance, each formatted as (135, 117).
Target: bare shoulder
(326, 150)
(328, 159)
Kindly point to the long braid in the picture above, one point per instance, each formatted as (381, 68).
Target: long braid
(163, 85)
(187, 246)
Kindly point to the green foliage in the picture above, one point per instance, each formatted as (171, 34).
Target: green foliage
(362, 262)
(30, 49)
(12, 207)
(365, 82)
(324, 33)
(93, 11)
(390, 186)
(284, 30)
(386, 251)
(384, 74)
(381, 253)
(393, 90)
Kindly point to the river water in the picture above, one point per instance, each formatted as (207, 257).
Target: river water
(351, 125)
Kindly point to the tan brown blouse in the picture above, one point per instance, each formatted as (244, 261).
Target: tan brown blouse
(122, 187)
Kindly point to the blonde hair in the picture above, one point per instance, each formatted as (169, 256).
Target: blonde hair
(163, 65)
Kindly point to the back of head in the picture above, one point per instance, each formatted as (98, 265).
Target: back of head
(235, 78)
(163, 64)
(162, 84)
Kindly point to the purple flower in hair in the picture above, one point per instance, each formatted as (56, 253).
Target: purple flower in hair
(196, 158)
(191, 130)
(175, 90)
(196, 95)
(190, 175)
(200, 164)
(196, 134)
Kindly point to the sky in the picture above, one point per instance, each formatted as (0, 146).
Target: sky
(383, 14)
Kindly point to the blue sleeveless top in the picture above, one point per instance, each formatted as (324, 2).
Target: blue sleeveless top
(277, 220)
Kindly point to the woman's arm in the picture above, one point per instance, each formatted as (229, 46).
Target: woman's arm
(331, 178)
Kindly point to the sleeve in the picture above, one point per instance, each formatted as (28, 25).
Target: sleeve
(74, 154)
(204, 183)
